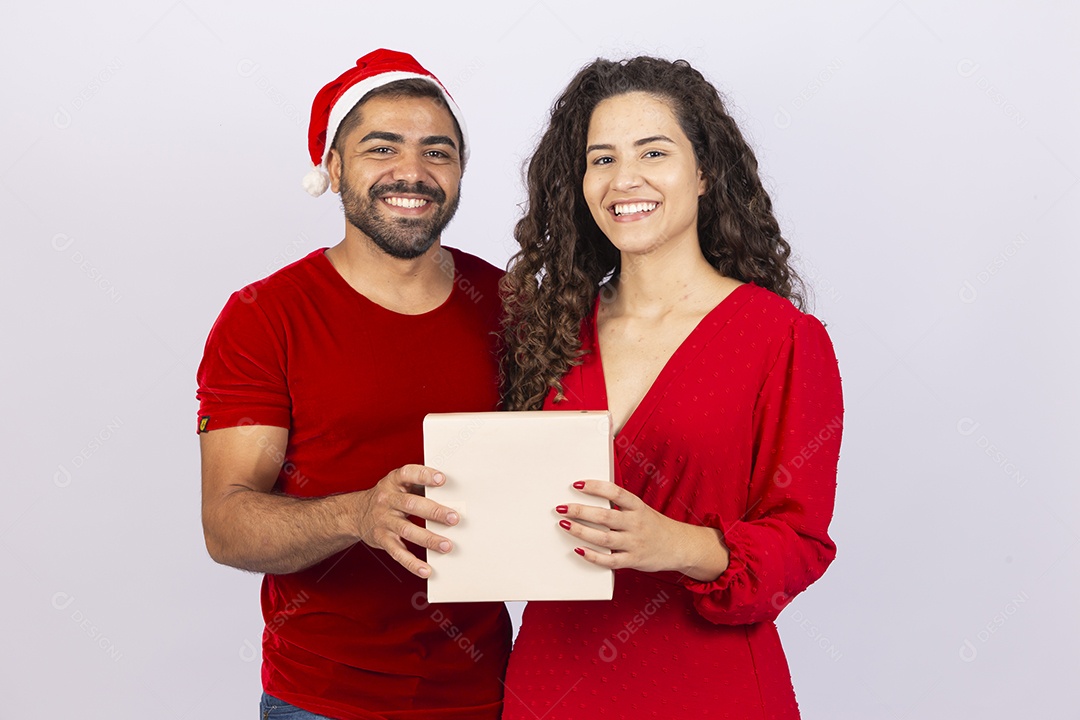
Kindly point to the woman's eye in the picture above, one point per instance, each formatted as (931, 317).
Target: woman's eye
(603, 160)
(654, 154)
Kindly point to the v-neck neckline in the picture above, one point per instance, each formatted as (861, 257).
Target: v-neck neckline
(715, 318)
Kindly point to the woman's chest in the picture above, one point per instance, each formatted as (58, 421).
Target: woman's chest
(634, 356)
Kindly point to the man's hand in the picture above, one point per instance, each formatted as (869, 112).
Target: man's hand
(384, 514)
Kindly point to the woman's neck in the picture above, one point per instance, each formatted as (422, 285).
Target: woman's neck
(666, 280)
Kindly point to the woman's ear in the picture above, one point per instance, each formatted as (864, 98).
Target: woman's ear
(702, 184)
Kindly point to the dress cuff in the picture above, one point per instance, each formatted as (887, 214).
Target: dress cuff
(736, 573)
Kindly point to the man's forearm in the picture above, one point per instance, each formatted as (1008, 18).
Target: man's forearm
(278, 534)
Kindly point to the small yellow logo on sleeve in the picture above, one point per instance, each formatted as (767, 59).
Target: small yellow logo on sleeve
(203, 421)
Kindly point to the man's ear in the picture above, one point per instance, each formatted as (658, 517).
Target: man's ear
(333, 167)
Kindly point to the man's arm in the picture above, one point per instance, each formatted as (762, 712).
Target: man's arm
(248, 526)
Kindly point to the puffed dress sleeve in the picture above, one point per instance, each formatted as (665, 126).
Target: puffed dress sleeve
(781, 544)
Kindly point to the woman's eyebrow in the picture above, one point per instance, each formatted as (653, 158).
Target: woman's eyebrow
(637, 143)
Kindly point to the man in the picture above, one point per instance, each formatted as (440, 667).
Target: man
(312, 390)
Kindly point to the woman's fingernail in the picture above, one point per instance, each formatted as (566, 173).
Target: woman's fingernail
(444, 546)
(451, 518)
(580, 552)
(564, 524)
(579, 485)
(561, 509)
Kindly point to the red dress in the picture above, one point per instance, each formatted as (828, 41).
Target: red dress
(740, 432)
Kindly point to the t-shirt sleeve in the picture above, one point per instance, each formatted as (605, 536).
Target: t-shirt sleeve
(242, 378)
(782, 544)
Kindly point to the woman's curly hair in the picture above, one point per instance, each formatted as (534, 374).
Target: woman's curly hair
(553, 281)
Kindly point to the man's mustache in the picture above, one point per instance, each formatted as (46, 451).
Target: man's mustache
(403, 188)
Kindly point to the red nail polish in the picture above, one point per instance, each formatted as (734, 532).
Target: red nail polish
(561, 509)
(564, 524)
(579, 485)
(580, 552)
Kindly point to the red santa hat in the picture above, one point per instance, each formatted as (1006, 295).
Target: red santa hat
(339, 96)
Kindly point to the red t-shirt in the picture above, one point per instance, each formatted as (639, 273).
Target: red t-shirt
(352, 637)
(739, 432)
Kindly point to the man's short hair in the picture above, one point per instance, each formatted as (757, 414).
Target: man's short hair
(410, 87)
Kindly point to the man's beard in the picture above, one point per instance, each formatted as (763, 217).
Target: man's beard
(402, 238)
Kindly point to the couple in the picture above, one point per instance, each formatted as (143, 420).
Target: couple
(652, 281)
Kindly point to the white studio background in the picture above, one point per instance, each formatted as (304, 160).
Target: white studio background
(924, 163)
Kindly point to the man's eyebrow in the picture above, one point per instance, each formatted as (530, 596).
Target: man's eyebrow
(396, 138)
(383, 135)
(438, 140)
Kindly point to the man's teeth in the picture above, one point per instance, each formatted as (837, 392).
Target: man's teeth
(630, 208)
(405, 202)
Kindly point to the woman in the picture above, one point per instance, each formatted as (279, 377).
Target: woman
(653, 282)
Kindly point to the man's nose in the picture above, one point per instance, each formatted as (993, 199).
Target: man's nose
(409, 167)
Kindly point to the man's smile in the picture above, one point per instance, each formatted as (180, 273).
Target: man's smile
(405, 202)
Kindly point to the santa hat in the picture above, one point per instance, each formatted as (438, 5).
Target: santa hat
(337, 98)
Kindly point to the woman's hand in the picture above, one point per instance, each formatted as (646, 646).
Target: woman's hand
(640, 537)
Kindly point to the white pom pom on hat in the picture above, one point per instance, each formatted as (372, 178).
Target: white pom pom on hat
(316, 181)
(338, 97)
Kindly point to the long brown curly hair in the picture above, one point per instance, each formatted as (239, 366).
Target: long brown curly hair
(553, 281)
